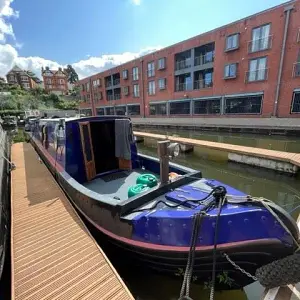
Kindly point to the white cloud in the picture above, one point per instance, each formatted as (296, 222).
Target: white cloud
(136, 2)
(86, 67)
(6, 12)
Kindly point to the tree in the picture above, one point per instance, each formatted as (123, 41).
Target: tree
(72, 75)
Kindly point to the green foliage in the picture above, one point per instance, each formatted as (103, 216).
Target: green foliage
(223, 278)
(72, 75)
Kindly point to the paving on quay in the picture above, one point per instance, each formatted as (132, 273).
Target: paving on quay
(53, 255)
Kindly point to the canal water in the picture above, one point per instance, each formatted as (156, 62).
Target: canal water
(283, 189)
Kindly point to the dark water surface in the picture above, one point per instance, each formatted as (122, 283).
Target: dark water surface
(283, 189)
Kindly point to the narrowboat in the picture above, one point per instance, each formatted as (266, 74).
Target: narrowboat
(4, 196)
(155, 211)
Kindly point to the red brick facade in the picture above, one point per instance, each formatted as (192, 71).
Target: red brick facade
(55, 81)
(250, 90)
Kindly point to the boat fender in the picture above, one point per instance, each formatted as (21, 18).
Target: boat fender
(280, 272)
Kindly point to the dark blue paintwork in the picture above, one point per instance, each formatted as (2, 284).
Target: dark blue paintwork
(164, 226)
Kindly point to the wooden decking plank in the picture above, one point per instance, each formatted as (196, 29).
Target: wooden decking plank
(53, 255)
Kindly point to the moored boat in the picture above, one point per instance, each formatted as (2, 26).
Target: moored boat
(9, 122)
(153, 219)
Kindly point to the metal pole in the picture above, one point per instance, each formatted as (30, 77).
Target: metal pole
(163, 155)
(287, 10)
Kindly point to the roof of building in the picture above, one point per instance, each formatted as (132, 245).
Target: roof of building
(53, 72)
(17, 69)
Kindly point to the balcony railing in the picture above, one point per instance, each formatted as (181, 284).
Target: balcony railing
(204, 59)
(108, 83)
(296, 69)
(110, 97)
(183, 64)
(260, 44)
(180, 87)
(256, 75)
(117, 96)
(202, 84)
(116, 81)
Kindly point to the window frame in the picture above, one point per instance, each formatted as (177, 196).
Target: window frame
(133, 105)
(206, 99)
(244, 113)
(126, 90)
(165, 84)
(164, 64)
(228, 65)
(152, 89)
(238, 42)
(249, 69)
(260, 38)
(293, 101)
(156, 105)
(180, 102)
(135, 78)
(125, 71)
(138, 91)
(151, 71)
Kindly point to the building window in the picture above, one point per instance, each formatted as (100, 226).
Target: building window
(87, 112)
(109, 111)
(133, 110)
(26, 85)
(12, 77)
(126, 90)
(120, 110)
(207, 107)
(232, 42)
(24, 78)
(161, 63)
(230, 71)
(261, 39)
(125, 74)
(158, 109)
(88, 98)
(257, 69)
(162, 83)
(151, 69)
(180, 108)
(296, 103)
(88, 87)
(96, 82)
(50, 86)
(298, 36)
(100, 111)
(83, 87)
(135, 73)
(244, 105)
(151, 87)
(136, 90)
(61, 81)
(49, 81)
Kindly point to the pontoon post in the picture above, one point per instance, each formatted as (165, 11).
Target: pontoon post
(163, 155)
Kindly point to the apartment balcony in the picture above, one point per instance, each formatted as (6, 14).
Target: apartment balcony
(108, 84)
(116, 81)
(202, 84)
(183, 64)
(117, 97)
(110, 97)
(204, 59)
(261, 44)
(296, 69)
(256, 75)
(181, 87)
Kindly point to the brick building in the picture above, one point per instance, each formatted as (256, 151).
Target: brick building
(247, 68)
(55, 81)
(24, 79)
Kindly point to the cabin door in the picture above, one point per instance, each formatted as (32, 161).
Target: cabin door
(87, 149)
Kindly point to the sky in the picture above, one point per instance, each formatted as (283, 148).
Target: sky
(94, 35)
